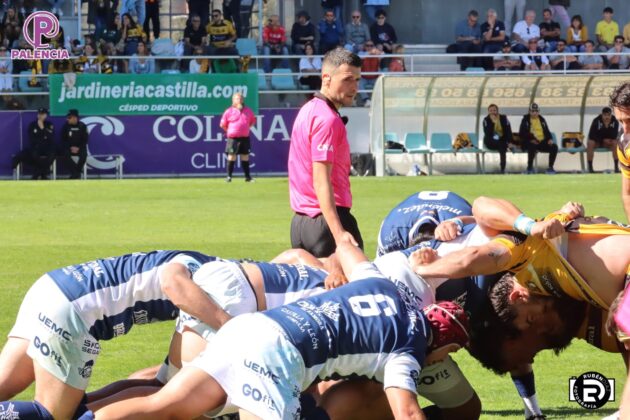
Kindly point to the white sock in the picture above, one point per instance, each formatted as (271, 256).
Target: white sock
(531, 406)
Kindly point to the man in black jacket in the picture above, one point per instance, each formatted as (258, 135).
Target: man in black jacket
(497, 133)
(74, 137)
(41, 150)
(536, 137)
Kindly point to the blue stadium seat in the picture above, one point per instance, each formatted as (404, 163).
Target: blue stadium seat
(477, 151)
(393, 137)
(281, 79)
(170, 71)
(416, 144)
(474, 70)
(246, 46)
(441, 143)
(581, 150)
(162, 47)
(23, 80)
(262, 79)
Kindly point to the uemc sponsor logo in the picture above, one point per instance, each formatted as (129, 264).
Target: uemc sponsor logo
(262, 371)
(45, 349)
(52, 326)
(258, 396)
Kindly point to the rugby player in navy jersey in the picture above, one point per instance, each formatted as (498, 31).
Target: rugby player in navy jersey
(423, 216)
(64, 315)
(261, 362)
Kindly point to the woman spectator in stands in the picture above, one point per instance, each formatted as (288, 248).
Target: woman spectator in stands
(92, 61)
(12, 25)
(6, 67)
(497, 133)
(383, 34)
(141, 63)
(132, 34)
(577, 35)
(310, 68)
(200, 64)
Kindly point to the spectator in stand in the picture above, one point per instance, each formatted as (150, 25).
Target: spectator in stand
(468, 40)
(492, 37)
(274, 43)
(606, 30)
(237, 121)
(559, 11)
(590, 62)
(506, 59)
(310, 69)
(200, 8)
(74, 140)
(194, 35)
(41, 150)
(141, 62)
(302, 32)
(131, 35)
(109, 50)
(357, 33)
(199, 65)
(330, 33)
(511, 6)
(12, 26)
(536, 137)
(136, 7)
(535, 62)
(112, 33)
(337, 7)
(626, 34)
(6, 68)
(618, 56)
(232, 12)
(221, 35)
(371, 7)
(152, 8)
(91, 61)
(549, 30)
(497, 133)
(60, 66)
(100, 14)
(577, 35)
(397, 64)
(370, 63)
(604, 132)
(382, 33)
(563, 62)
(524, 31)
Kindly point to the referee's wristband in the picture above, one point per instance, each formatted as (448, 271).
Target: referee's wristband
(459, 223)
(524, 224)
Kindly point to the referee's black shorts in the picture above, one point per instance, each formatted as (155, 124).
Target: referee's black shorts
(313, 235)
(238, 146)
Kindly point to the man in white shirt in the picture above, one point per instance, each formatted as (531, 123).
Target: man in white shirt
(524, 31)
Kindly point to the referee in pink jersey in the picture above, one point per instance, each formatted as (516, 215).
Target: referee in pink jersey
(236, 121)
(319, 161)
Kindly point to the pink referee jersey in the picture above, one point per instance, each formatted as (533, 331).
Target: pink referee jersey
(319, 135)
(237, 121)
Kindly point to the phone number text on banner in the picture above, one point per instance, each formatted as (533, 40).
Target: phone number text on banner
(151, 94)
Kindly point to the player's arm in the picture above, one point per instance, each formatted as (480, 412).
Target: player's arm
(349, 256)
(404, 404)
(325, 196)
(494, 215)
(177, 283)
(489, 258)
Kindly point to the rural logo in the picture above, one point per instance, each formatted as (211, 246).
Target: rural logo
(109, 126)
(38, 29)
(86, 371)
(591, 390)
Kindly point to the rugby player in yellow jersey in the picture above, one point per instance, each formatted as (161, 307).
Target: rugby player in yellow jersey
(620, 103)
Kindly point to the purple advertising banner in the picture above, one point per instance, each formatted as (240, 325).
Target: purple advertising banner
(191, 145)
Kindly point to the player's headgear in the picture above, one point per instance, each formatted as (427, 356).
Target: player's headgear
(449, 324)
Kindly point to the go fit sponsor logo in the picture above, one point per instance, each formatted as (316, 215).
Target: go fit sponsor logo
(38, 27)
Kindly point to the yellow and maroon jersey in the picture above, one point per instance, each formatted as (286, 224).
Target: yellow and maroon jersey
(540, 265)
(623, 154)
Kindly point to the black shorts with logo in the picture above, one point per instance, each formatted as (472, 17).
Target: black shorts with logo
(313, 235)
(238, 146)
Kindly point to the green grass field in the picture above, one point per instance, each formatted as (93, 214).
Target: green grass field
(45, 225)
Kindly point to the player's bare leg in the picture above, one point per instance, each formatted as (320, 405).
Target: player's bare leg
(60, 399)
(16, 368)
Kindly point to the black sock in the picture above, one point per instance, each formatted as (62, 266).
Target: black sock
(230, 167)
(245, 164)
(616, 165)
(590, 166)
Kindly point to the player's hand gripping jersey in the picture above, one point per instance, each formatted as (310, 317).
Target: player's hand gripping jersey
(403, 223)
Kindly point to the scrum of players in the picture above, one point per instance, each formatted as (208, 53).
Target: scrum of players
(274, 340)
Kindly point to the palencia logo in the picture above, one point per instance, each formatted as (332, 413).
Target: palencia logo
(591, 390)
(109, 126)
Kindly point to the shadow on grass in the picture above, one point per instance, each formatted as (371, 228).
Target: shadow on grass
(558, 412)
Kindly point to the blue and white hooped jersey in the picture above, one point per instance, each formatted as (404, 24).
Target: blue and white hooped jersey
(112, 294)
(367, 328)
(401, 225)
(286, 283)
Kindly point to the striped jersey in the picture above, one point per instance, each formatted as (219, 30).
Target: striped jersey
(403, 223)
(112, 294)
(368, 328)
(286, 283)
